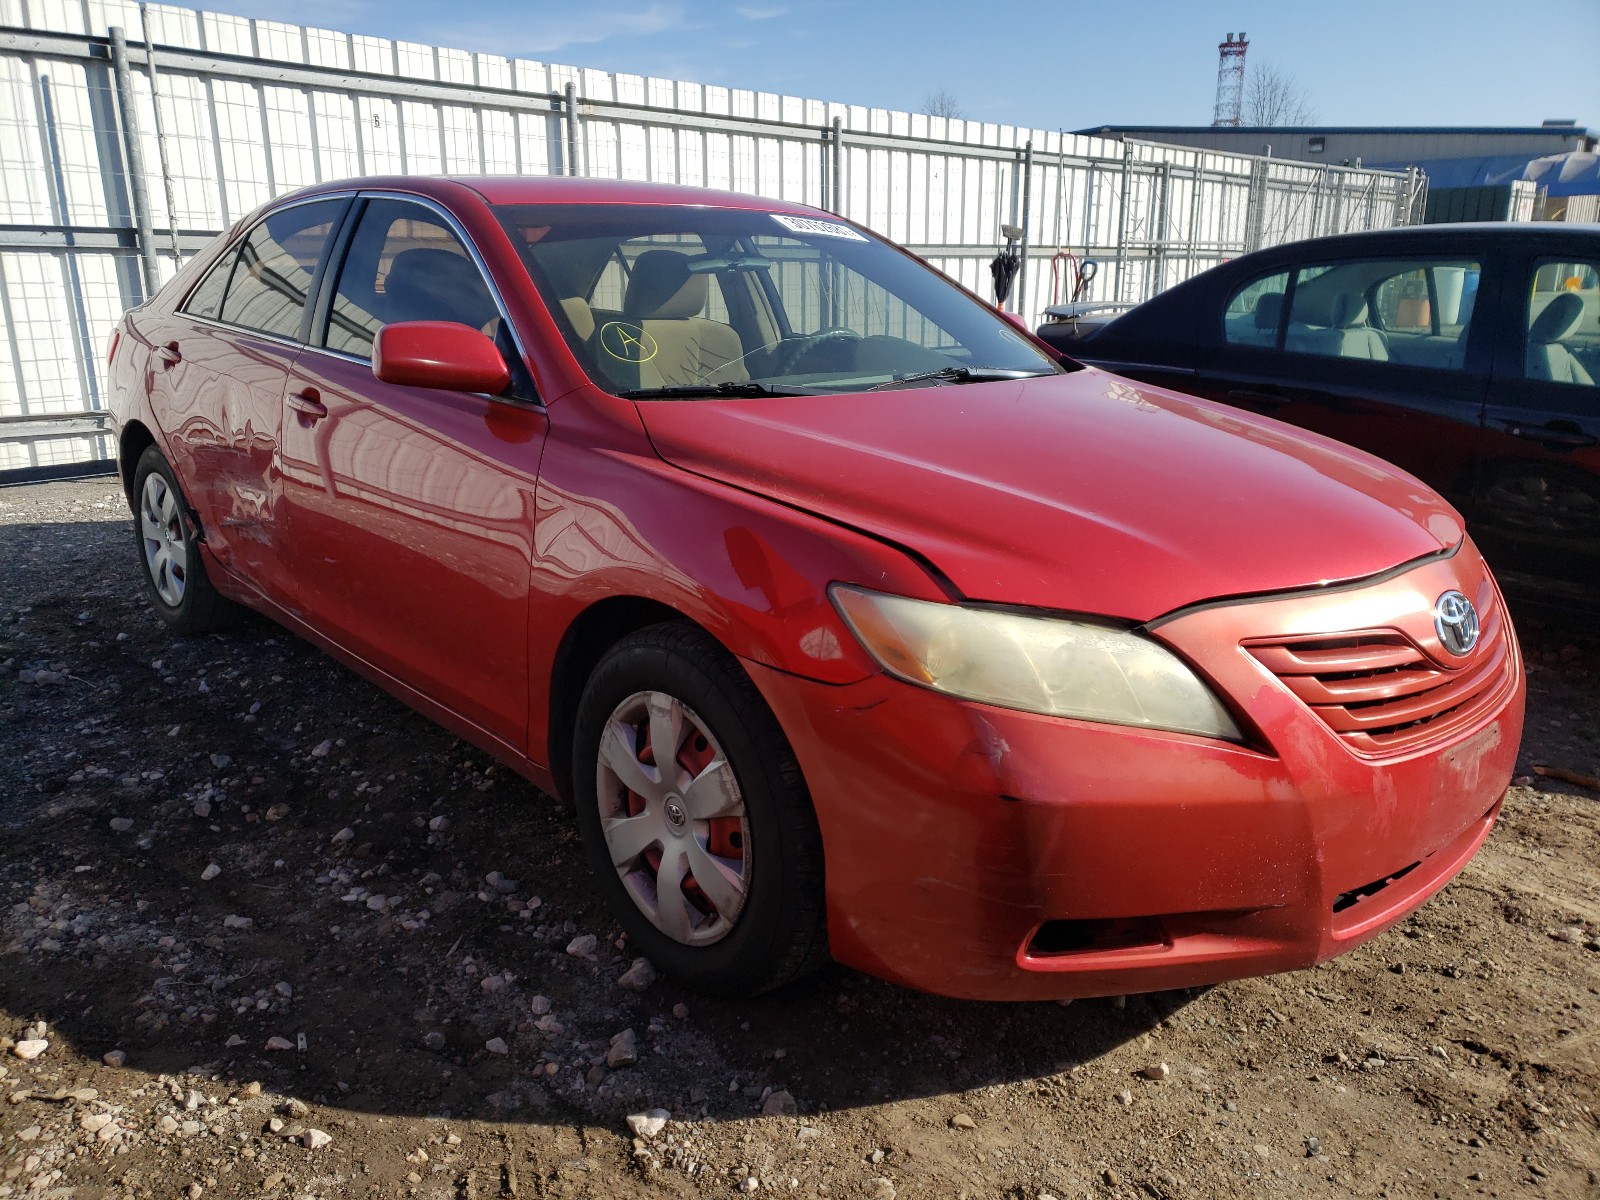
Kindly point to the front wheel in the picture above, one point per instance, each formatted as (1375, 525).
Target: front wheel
(695, 816)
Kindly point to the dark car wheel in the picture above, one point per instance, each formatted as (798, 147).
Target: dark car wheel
(707, 850)
(174, 576)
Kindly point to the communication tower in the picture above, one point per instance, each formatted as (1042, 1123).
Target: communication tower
(1230, 80)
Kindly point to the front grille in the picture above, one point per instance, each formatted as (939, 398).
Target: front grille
(1381, 693)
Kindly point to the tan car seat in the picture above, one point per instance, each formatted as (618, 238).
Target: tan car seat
(1548, 358)
(678, 346)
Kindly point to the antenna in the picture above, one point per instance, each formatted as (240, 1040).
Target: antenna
(1230, 80)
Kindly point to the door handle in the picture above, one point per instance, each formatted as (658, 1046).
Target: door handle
(308, 403)
(1552, 435)
(169, 354)
(1268, 399)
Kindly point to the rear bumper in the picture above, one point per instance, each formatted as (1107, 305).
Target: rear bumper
(990, 854)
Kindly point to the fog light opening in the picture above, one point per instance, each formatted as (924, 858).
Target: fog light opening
(1056, 938)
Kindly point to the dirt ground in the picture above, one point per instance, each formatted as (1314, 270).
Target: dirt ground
(206, 846)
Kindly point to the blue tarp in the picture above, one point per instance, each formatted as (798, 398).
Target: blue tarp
(1576, 173)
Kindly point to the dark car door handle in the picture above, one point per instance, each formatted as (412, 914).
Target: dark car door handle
(308, 402)
(1269, 399)
(1551, 435)
(169, 354)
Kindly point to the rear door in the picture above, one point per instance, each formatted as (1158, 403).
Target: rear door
(1378, 351)
(410, 510)
(217, 373)
(1538, 509)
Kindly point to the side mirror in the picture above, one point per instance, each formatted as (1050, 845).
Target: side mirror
(439, 354)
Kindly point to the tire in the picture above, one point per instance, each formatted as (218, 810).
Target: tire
(164, 533)
(746, 914)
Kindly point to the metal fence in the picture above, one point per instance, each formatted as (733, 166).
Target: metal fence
(115, 163)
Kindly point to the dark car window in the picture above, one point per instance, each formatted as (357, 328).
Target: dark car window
(1563, 322)
(405, 264)
(1254, 314)
(1416, 312)
(275, 265)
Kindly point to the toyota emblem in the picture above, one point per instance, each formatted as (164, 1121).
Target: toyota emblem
(1456, 621)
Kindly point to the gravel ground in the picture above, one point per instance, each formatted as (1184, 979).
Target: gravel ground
(264, 931)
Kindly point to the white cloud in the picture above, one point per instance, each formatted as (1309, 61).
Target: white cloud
(752, 12)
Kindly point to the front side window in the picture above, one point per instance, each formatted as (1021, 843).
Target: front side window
(1563, 322)
(275, 265)
(405, 263)
(653, 298)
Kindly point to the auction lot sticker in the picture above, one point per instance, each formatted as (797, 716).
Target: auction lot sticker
(817, 228)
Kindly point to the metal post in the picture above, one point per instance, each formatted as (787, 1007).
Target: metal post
(161, 137)
(838, 167)
(1122, 218)
(135, 158)
(572, 128)
(1026, 206)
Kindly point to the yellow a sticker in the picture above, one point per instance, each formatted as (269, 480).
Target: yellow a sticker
(627, 342)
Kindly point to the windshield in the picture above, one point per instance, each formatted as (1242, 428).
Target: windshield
(672, 301)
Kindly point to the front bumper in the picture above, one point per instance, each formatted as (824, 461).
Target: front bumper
(989, 854)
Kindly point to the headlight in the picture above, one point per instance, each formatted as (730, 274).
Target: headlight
(1038, 664)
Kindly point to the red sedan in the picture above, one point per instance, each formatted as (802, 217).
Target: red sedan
(851, 620)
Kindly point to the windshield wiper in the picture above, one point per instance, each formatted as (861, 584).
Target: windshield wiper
(690, 391)
(961, 375)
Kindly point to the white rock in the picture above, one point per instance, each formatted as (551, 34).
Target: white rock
(115, 1058)
(377, 903)
(497, 1046)
(439, 824)
(234, 921)
(94, 1122)
(1156, 1071)
(279, 1043)
(500, 883)
(624, 1050)
(29, 1049)
(322, 749)
(540, 1005)
(211, 872)
(649, 1123)
(492, 983)
(121, 824)
(547, 1024)
(583, 945)
(315, 1139)
(284, 988)
(750, 1184)
(344, 835)
(639, 976)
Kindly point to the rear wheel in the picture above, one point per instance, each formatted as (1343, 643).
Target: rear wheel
(174, 576)
(695, 816)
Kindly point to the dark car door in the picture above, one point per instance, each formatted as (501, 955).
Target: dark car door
(217, 373)
(1538, 506)
(1376, 350)
(411, 510)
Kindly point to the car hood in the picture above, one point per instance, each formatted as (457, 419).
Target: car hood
(1081, 492)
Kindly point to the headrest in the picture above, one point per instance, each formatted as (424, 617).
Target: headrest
(579, 313)
(1269, 308)
(1349, 310)
(661, 288)
(437, 285)
(1558, 321)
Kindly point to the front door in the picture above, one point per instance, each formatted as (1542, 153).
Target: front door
(411, 510)
(1538, 509)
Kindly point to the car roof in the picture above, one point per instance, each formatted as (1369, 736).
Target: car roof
(1513, 230)
(557, 189)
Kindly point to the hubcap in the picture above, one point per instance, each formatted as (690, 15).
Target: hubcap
(166, 555)
(673, 817)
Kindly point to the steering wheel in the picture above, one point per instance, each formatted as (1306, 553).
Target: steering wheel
(801, 346)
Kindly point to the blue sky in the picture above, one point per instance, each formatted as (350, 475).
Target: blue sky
(1057, 65)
